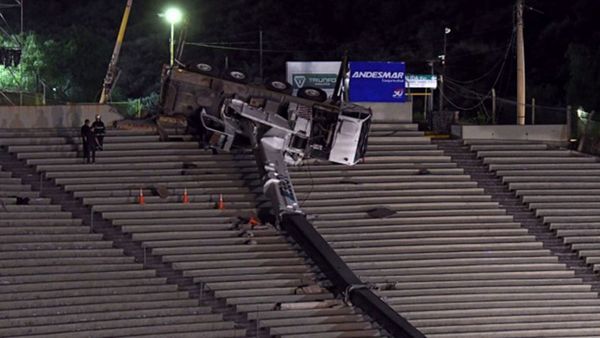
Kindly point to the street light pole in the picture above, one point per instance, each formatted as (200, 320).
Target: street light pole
(172, 45)
(173, 16)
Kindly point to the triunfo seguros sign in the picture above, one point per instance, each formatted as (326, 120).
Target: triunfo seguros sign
(319, 74)
(377, 81)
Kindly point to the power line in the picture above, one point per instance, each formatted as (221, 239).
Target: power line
(206, 45)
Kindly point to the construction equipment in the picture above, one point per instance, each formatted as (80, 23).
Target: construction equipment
(113, 72)
(282, 129)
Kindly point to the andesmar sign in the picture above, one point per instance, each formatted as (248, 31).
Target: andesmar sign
(377, 81)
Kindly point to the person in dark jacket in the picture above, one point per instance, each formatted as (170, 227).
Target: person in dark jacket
(99, 130)
(88, 141)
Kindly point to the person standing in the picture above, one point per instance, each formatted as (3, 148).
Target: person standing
(88, 142)
(99, 130)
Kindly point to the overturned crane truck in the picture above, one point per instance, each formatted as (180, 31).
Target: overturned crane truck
(282, 130)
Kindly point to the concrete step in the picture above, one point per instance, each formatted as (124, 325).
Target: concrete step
(142, 213)
(557, 191)
(107, 147)
(79, 276)
(212, 192)
(167, 329)
(324, 209)
(564, 205)
(345, 250)
(560, 198)
(59, 286)
(553, 185)
(544, 166)
(333, 216)
(537, 160)
(449, 219)
(58, 253)
(65, 221)
(525, 153)
(412, 193)
(133, 206)
(306, 172)
(256, 262)
(35, 270)
(399, 140)
(550, 172)
(419, 200)
(13, 215)
(43, 230)
(116, 160)
(121, 326)
(66, 261)
(550, 179)
(341, 228)
(208, 257)
(500, 147)
(196, 172)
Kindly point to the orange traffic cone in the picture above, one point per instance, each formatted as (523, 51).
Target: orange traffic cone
(220, 204)
(253, 221)
(186, 198)
(141, 197)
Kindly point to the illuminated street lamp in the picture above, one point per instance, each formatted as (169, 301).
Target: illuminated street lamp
(173, 16)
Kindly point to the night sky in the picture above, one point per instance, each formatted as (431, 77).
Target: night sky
(562, 40)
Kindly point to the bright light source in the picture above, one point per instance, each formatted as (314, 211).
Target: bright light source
(447, 30)
(582, 114)
(173, 15)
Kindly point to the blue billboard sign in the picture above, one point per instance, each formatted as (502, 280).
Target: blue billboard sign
(377, 82)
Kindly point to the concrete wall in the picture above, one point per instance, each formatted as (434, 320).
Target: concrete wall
(64, 116)
(390, 111)
(552, 133)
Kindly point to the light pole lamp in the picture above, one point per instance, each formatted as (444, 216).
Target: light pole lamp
(173, 16)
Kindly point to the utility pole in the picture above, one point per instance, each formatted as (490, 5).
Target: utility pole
(443, 74)
(520, 64)
(494, 121)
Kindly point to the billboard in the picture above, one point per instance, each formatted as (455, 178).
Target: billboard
(421, 81)
(319, 74)
(377, 82)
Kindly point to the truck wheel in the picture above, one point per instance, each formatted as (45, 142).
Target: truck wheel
(202, 68)
(279, 86)
(236, 76)
(312, 93)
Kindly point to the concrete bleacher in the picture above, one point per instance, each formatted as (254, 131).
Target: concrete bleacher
(57, 279)
(449, 259)
(257, 272)
(561, 186)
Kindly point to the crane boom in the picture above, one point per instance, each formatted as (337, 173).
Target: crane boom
(112, 72)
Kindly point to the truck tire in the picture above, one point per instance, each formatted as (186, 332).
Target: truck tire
(279, 86)
(202, 68)
(236, 75)
(312, 93)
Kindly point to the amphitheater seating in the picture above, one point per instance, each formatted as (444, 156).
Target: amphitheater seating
(560, 186)
(57, 279)
(256, 271)
(449, 259)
